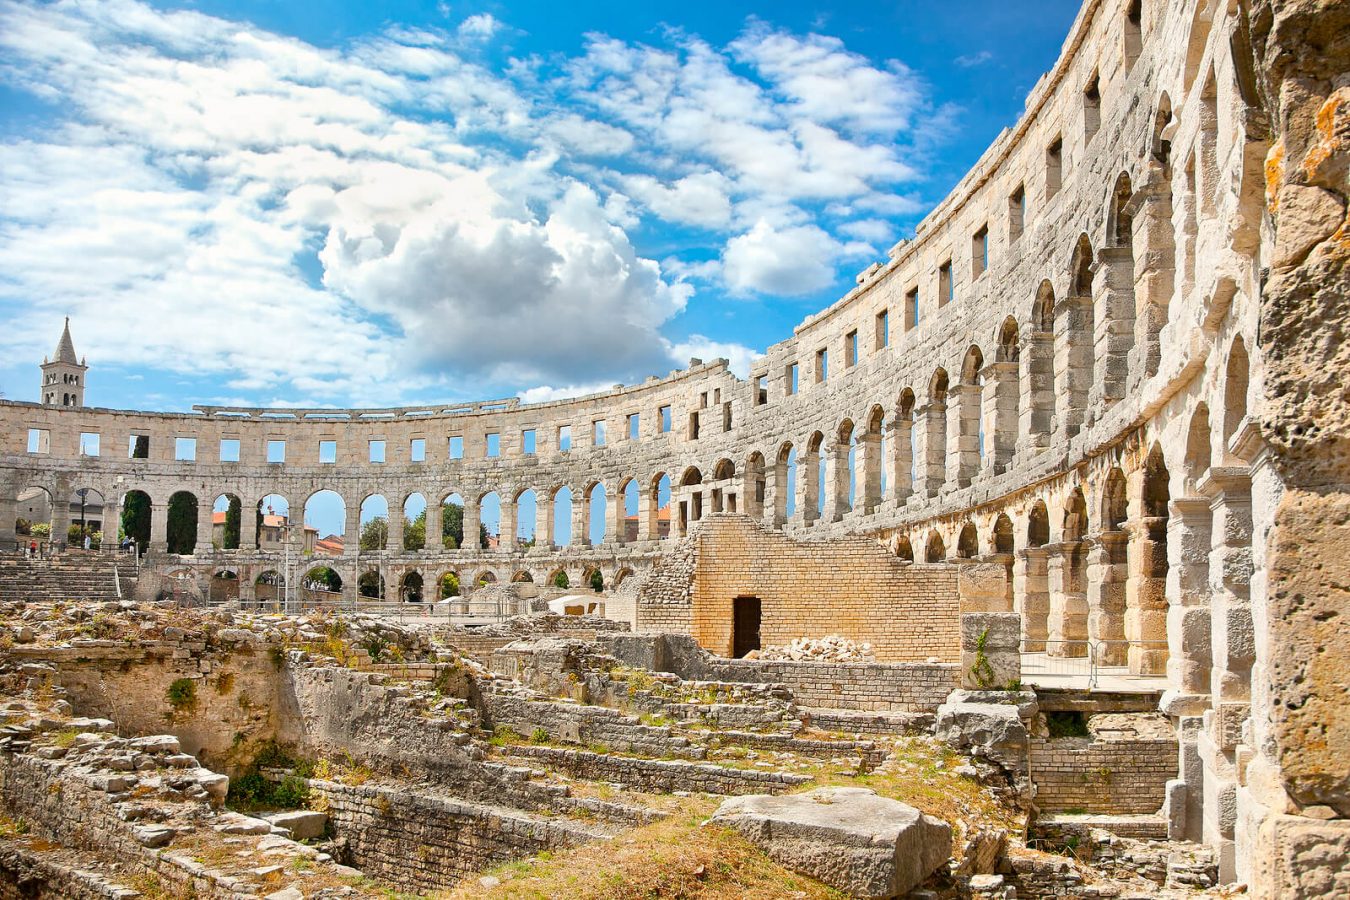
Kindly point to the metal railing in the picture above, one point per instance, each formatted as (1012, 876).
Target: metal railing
(1092, 659)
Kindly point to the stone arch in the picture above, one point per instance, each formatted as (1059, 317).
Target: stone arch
(522, 576)
(935, 550)
(269, 586)
(373, 522)
(320, 582)
(904, 454)
(452, 520)
(1038, 525)
(227, 520)
(224, 585)
(756, 488)
(447, 585)
(525, 502)
(558, 579)
(413, 527)
(970, 437)
(785, 477)
(1075, 523)
(489, 520)
(904, 549)
(1080, 268)
(811, 470)
(593, 578)
(932, 462)
(659, 506)
(484, 578)
(724, 469)
(1199, 453)
(410, 588)
(314, 510)
(620, 577)
(968, 542)
(1075, 327)
(1002, 536)
(370, 584)
(1146, 599)
(1115, 501)
(598, 524)
(1037, 368)
(1009, 345)
(1160, 140)
(563, 502)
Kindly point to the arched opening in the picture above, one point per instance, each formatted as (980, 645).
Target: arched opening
(906, 452)
(452, 521)
(269, 587)
(1108, 572)
(621, 576)
(485, 578)
(410, 590)
(33, 517)
(522, 577)
(226, 522)
(904, 549)
(1038, 525)
(374, 523)
(597, 521)
(970, 448)
(593, 578)
(558, 579)
(224, 586)
(1039, 367)
(489, 521)
(661, 492)
(182, 526)
(325, 524)
(86, 508)
(271, 522)
(562, 516)
(934, 460)
(632, 511)
(370, 585)
(527, 518)
(936, 550)
(1235, 390)
(844, 485)
(723, 491)
(1078, 332)
(691, 499)
(447, 585)
(1160, 142)
(875, 444)
(414, 522)
(815, 477)
(1003, 534)
(1066, 571)
(321, 584)
(967, 542)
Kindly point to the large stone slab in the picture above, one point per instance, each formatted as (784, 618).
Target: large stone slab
(849, 838)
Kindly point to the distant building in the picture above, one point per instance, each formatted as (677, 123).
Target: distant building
(63, 375)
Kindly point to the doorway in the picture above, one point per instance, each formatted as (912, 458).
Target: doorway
(745, 614)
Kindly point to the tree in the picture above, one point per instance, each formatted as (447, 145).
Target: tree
(370, 584)
(449, 584)
(415, 532)
(324, 579)
(597, 581)
(560, 580)
(375, 534)
(230, 538)
(452, 527)
(182, 529)
(136, 518)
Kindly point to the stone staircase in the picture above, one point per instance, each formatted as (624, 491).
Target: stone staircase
(73, 575)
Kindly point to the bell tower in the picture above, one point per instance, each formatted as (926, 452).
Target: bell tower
(63, 375)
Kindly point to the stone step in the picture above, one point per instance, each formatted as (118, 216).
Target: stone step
(1057, 828)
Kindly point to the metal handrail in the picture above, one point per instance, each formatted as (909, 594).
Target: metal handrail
(1089, 661)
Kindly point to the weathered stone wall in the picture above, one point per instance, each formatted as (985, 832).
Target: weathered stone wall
(420, 842)
(661, 775)
(1122, 777)
(849, 586)
(27, 874)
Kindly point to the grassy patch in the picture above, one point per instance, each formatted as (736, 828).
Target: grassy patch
(678, 857)
(182, 695)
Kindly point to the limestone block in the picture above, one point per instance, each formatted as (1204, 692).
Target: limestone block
(1301, 857)
(300, 824)
(990, 649)
(849, 838)
(983, 587)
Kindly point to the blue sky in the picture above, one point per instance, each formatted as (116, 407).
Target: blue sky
(376, 204)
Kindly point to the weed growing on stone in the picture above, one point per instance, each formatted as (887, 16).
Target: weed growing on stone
(182, 695)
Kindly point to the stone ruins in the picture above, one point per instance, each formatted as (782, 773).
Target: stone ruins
(1017, 572)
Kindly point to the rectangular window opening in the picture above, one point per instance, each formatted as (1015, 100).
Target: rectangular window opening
(455, 449)
(528, 442)
(377, 451)
(417, 450)
(89, 441)
(564, 438)
(946, 289)
(665, 419)
(822, 365)
(276, 451)
(790, 378)
(693, 425)
(492, 444)
(1054, 166)
(634, 426)
(851, 349)
(911, 309)
(883, 330)
(229, 450)
(327, 453)
(39, 440)
(598, 430)
(726, 416)
(138, 446)
(979, 252)
(185, 449)
(1092, 108)
(758, 392)
(1017, 212)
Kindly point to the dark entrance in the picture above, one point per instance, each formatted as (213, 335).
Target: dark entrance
(744, 626)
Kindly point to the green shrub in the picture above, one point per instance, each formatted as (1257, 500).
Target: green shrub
(540, 736)
(182, 694)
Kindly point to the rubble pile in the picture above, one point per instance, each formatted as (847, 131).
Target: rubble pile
(831, 648)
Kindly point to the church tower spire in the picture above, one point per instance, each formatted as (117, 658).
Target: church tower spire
(63, 375)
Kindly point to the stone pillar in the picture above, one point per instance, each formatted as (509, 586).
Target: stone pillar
(546, 516)
(159, 526)
(351, 538)
(61, 520)
(248, 525)
(999, 412)
(1188, 619)
(648, 513)
(1031, 597)
(836, 481)
(614, 518)
(1154, 271)
(506, 530)
(473, 516)
(9, 513)
(205, 511)
(1067, 629)
(930, 447)
(901, 459)
(1146, 594)
(581, 532)
(774, 488)
(1113, 324)
(867, 473)
(1036, 384)
(1230, 572)
(1073, 359)
(395, 542)
(963, 431)
(1107, 573)
(435, 523)
(808, 486)
(990, 659)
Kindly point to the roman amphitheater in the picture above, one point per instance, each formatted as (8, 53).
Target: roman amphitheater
(1056, 496)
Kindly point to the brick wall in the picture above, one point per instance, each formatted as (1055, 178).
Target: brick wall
(906, 687)
(1122, 777)
(849, 586)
